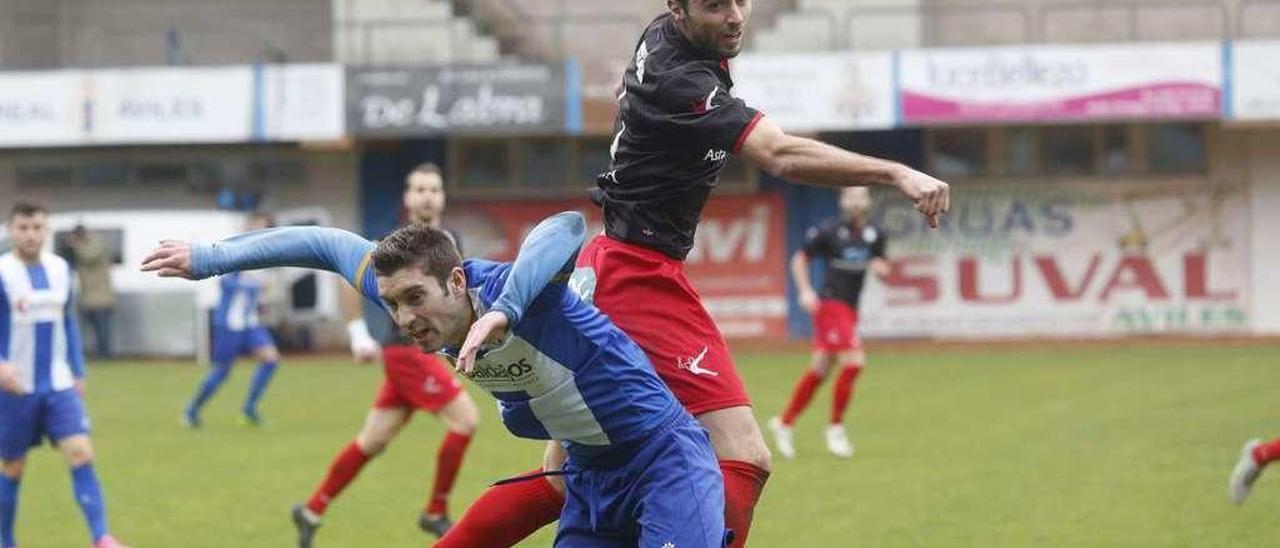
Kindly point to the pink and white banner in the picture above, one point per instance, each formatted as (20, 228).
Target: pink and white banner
(1062, 83)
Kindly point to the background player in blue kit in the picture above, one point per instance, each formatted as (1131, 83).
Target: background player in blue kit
(641, 471)
(236, 332)
(42, 373)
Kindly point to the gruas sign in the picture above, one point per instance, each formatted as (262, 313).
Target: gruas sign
(1064, 260)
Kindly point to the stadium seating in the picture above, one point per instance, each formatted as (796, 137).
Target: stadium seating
(406, 31)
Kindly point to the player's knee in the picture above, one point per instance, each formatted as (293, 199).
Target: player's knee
(78, 453)
(269, 354)
(371, 445)
(13, 469)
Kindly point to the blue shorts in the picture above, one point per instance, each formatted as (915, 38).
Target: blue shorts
(668, 493)
(229, 345)
(27, 419)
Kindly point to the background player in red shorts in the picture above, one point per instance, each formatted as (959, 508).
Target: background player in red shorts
(677, 124)
(850, 247)
(413, 381)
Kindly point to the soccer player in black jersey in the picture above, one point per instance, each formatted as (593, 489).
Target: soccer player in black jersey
(677, 124)
(850, 247)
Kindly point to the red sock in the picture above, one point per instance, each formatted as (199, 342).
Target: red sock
(506, 514)
(341, 472)
(743, 483)
(800, 396)
(1267, 452)
(844, 391)
(448, 460)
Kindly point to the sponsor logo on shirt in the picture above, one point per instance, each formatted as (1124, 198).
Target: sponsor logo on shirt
(511, 372)
(714, 155)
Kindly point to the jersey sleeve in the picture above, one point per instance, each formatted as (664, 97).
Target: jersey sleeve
(703, 114)
(6, 323)
(547, 255)
(816, 243)
(75, 350)
(319, 248)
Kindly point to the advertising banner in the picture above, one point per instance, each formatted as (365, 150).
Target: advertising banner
(1062, 83)
(42, 108)
(475, 100)
(737, 264)
(1067, 261)
(302, 102)
(819, 91)
(172, 105)
(1255, 76)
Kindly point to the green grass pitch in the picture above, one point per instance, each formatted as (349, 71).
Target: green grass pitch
(1113, 445)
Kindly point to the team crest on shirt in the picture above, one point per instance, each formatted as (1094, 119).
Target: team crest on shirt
(869, 234)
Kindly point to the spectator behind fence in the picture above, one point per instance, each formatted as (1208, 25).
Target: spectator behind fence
(92, 258)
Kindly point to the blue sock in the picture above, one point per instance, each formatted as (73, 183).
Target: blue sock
(8, 508)
(261, 378)
(84, 481)
(211, 382)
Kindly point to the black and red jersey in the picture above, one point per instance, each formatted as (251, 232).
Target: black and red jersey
(847, 251)
(677, 123)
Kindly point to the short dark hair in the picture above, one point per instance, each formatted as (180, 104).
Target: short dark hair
(426, 168)
(26, 209)
(417, 244)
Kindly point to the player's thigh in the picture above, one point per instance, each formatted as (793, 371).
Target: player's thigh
(736, 435)
(20, 425)
(553, 458)
(226, 346)
(682, 492)
(460, 414)
(381, 426)
(582, 520)
(262, 344)
(67, 423)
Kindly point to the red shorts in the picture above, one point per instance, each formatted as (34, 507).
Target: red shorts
(415, 379)
(835, 327)
(647, 295)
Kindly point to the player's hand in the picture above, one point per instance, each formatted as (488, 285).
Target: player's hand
(363, 347)
(9, 379)
(489, 329)
(172, 259)
(931, 196)
(808, 301)
(367, 352)
(79, 386)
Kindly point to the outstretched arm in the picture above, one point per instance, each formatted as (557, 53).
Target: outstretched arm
(547, 254)
(308, 247)
(813, 162)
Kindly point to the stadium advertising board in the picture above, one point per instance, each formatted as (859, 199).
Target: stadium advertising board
(466, 99)
(172, 105)
(737, 264)
(1067, 260)
(1255, 76)
(42, 108)
(301, 102)
(821, 91)
(1062, 83)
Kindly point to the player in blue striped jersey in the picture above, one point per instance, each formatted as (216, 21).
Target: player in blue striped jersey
(641, 471)
(237, 332)
(42, 373)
